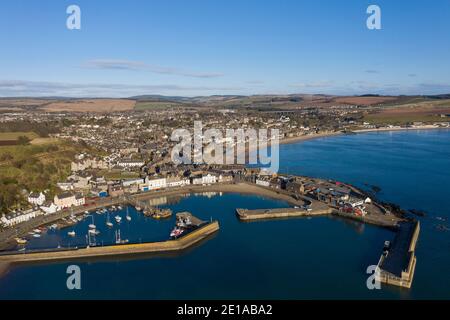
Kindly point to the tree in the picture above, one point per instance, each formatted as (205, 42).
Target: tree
(23, 140)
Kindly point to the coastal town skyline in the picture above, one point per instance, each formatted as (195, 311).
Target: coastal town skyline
(255, 151)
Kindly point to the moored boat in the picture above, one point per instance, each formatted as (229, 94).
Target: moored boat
(20, 240)
(176, 232)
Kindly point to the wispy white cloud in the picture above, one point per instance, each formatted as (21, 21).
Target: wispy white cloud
(317, 84)
(113, 64)
(19, 88)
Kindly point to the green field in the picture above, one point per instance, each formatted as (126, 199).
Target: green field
(11, 136)
(142, 106)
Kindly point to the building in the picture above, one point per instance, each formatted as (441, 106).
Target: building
(49, 208)
(204, 179)
(130, 182)
(36, 199)
(262, 182)
(226, 178)
(91, 163)
(116, 190)
(69, 199)
(14, 218)
(156, 183)
(130, 163)
(176, 181)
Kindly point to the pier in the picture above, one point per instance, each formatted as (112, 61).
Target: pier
(260, 214)
(397, 263)
(178, 244)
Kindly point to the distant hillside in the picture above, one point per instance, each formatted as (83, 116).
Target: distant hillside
(252, 102)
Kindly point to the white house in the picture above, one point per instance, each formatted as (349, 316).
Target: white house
(264, 183)
(36, 199)
(13, 218)
(65, 186)
(156, 183)
(130, 182)
(204, 179)
(173, 182)
(49, 208)
(130, 163)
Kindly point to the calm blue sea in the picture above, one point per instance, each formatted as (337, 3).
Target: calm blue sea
(322, 258)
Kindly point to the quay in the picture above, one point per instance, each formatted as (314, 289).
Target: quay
(398, 262)
(396, 265)
(174, 245)
(259, 214)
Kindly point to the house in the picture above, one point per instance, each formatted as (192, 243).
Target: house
(176, 181)
(156, 183)
(261, 181)
(36, 199)
(81, 180)
(129, 163)
(130, 182)
(49, 208)
(204, 179)
(225, 178)
(91, 163)
(14, 218)
(69, 199)
(115, 190)
(65, 186)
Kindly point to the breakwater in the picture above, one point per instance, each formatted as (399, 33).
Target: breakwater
(259, 214)
(398, 262)
(178, 244)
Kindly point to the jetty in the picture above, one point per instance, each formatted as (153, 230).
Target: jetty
(261, 214)
(179, 244)
(398, 261)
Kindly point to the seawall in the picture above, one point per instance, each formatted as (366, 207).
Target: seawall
(260, 214)
(116, 250)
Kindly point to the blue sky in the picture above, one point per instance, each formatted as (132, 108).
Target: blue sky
(205, 47)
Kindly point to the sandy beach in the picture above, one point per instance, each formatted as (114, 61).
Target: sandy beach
(332, 134)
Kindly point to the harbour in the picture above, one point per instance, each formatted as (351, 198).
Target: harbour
(71, 254)
(277, 244)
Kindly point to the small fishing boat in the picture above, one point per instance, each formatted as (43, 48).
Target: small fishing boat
(118, 238)
(92, 225)
(94, 232)
(37, 231)
(36, 235)
(86, 212)
(108, 222)
(176, 232)
(128, 217)
(20, 240)
(119, 207)
(118, 219)
(71, 233)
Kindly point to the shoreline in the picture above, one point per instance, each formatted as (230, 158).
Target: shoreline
(308, 137)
